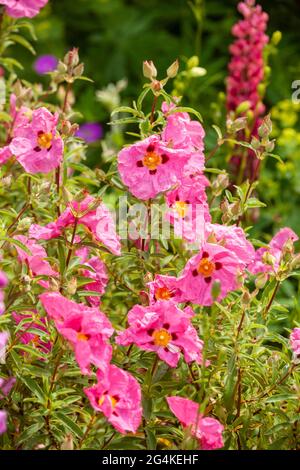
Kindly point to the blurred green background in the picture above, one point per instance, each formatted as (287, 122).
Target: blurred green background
(115, 36)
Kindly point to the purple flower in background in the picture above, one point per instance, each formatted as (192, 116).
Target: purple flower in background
(45, 63)
(3, 421)
(6, 385)
(90, 132)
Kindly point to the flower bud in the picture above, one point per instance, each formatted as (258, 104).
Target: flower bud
(173, 69)
(243, 107)
(78, 71)
(261, 280)
(71, 59)
(72, 286)
(197, 72)
(149, 69)
(268, 258)
(192, 62)
(265, 128)
(276, 37)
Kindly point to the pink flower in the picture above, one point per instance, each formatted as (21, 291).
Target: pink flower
(92, 214)
(36, 262)
(295, 341)
(150, 167)
(165, 288)
(97, 273)
(38, 323)
(234, 239)
(5, 154)
(181, 132)
(208, 431)
(23, 8)
(6, 385)
(189, 208)
(117, 395)
(261, 263)
(246, 70)
(3, 421)
(3, 280)
(36, 145)
(164, 329)
(213, 264)
(86, 328)
(4, 336)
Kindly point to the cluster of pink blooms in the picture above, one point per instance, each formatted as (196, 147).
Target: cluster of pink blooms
(295, 341)
(246, 68)
(33, 139)
(23, 8)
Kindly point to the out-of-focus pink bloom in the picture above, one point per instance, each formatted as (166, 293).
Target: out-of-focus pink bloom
(4, 336)
(165, 288)
(150, 167)
(86, 328)
(267, 260)
(23, 8)
(6, 385)
(212, 264)
(3, 280)
(234, 239)
(38, 323)
(295, 341)
(2, 306)
(36, 262)
(45, 63)
(164, 329)
(188, 207)
(117, 395)
(97, 273)
(91, 213)
(208, 431)
(3, 421)
(37, 145)
(5, 154)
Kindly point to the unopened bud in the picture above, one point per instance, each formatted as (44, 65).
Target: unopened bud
(78, 71)
(261, 280)
(144, 298)
(67, 443)
(270, 146)
(192, 62)
(268, 258)
(197, 72)
(246, 299)
(265, 128)
(71, 59)
(149, 69)
(243, 107)
(173, 69)
(276, 37)
(72, 286)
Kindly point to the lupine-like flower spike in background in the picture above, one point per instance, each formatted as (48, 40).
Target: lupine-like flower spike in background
(145, 300)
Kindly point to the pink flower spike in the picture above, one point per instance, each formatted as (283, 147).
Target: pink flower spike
(165, 329)
(23, 8)
(295, 341)
(117, 395)
(86, 328)
(208, 431)
(36, 145)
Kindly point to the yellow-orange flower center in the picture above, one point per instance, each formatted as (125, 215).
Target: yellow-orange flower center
(82, 337)
(206, 267)
(181, 208)
(152, 160)
(44, 140)
(161, 337)
(163, 293)
(113, 400)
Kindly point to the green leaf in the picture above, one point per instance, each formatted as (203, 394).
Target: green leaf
(21, 40)
(34, 388)
(19, 244)
(69, 423)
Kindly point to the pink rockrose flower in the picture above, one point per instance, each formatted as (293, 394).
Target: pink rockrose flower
(36, 262)
(97, 272)
(295, 341)
(165, 288)
(23, 8)
(86, 328)
(150, 167)
(268, 259)
(2, 306)
(234, 239)
(117, 395)
(212, 264)
(164, 329)
(3, 421)
(34, 339)
(208, 431)
(189, 210)
(37, 145)
(92, 214)
(6, 385)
